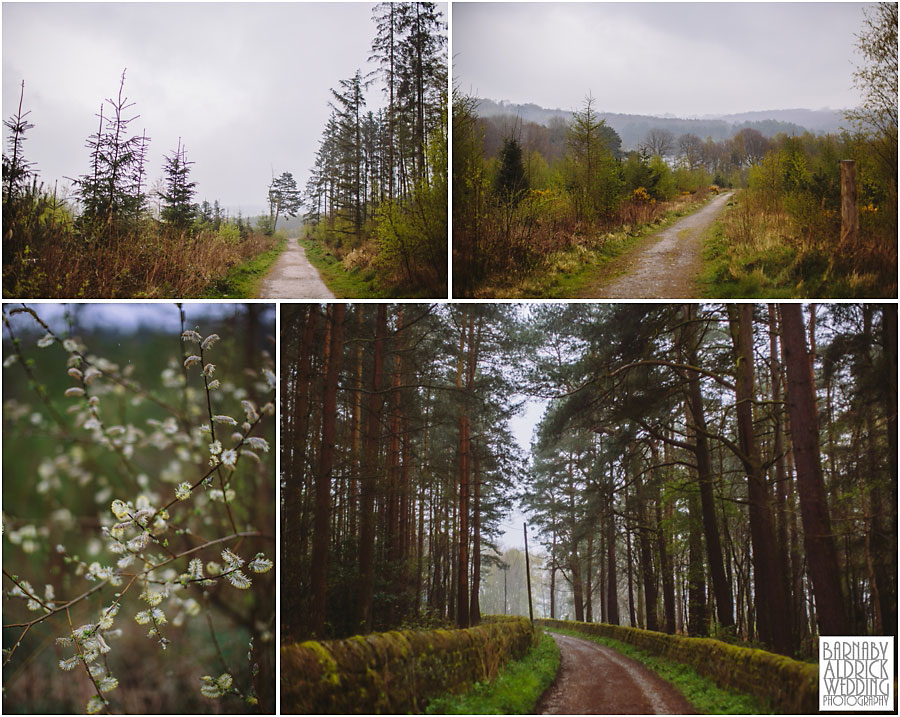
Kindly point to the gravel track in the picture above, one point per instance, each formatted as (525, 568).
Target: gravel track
(293, 277)
(594, 679)
(668, 267)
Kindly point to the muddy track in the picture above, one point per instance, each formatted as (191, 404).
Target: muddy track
(665, 267)
(293, 277)
(594, 679)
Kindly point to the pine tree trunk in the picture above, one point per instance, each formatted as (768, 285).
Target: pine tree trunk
(294, 482)
(369, 477)
(721, 588)
(771, 602)
(818, 539)
(334, 351)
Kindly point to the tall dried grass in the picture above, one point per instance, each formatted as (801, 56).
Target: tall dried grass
(47, 259)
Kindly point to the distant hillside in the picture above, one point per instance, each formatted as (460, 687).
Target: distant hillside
(633, 128)
(824, 120)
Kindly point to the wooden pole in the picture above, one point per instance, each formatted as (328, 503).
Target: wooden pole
(528, 576)
(849, 211)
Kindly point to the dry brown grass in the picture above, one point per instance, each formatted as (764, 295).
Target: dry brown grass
(54, 263)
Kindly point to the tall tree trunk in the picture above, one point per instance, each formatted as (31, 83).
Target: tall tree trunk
(475, 607)
(781, 479)
(294, 483)
(721, 587)
(818, 539)
(651, 593)
(665, 563)
(369, 476)
(771, 602)
(886, 533)
(462, 598)
(334, 352)
(698, 619)
(612, 588)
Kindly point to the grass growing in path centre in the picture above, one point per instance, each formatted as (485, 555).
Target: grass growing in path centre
(702, 692)
(515, 690)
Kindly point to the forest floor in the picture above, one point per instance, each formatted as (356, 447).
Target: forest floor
(293, 277)
(663, 266)
(594, 679)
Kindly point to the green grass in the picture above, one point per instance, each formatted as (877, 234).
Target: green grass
(356, 284)
(704, 694)
(515, 690)
(243, 281)
(763, 274)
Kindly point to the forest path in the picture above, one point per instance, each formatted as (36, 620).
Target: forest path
(664, 268)
(293, 277)
(594, 679)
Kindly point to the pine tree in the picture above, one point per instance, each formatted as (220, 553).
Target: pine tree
(284, 198)
(178, 211)
(112, 194)
(595, 182)
(16, 169)
(511, 182)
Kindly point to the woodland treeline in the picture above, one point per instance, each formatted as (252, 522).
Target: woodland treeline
(395, 444)
(724, 470)
(547, 190)
(525, 193)
(118, 234)
(721, 470)
(377, 194)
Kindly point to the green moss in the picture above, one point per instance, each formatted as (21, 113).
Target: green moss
(327, 663)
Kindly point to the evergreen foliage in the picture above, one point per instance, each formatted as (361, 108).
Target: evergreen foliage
(374, 188)
(179, 211)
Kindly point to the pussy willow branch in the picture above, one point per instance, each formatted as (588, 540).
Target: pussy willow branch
(212, 432)
(115, 378)
(84, 662)
(65, 606)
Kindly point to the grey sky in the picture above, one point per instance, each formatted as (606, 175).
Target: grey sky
(686, 59)
(125, 318)
(245, 85)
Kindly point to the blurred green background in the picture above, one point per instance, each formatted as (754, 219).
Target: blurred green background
(58, 486)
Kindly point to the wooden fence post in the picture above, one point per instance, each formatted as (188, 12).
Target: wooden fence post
(849, 211)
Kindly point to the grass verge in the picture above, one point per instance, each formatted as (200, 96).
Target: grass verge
(515, 690)
(749, 253)
(356, 284)
(573, 272)
(243, 281)
(702, 692)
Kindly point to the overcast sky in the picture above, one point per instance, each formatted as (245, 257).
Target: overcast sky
(685, 59)
(245, 85)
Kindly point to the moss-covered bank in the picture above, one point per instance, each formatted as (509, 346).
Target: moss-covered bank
(398, 671)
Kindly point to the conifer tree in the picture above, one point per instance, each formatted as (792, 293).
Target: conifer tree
(511, 182)
(111, 195)
(178, 210)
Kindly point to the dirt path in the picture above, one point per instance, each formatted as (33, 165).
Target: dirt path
(594, 679)
(293, 277)
(667, 267)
